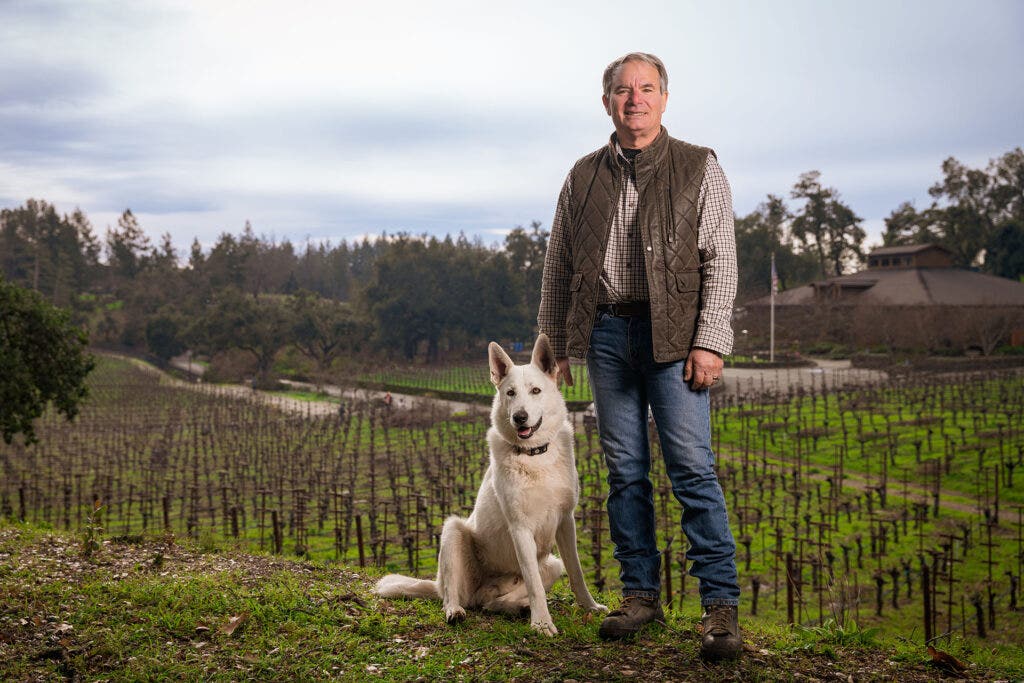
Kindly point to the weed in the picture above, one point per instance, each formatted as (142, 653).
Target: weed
(92, 530)
(833, 633)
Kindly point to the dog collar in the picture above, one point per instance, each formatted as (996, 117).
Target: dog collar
(536, 450)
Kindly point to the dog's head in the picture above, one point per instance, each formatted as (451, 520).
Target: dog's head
(528, 408)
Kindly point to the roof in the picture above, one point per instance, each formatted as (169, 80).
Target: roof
(907, 249)
(909, 287)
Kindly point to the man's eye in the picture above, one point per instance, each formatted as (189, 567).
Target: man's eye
(535, 390)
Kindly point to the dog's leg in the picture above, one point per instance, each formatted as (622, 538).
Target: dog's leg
(456, 568)
(526, 554)
(565, 537)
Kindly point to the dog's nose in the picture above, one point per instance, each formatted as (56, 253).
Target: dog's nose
(520, 417)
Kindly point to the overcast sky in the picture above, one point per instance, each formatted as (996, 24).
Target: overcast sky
(332, 120)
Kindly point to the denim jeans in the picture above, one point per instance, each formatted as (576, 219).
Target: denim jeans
(625, 379)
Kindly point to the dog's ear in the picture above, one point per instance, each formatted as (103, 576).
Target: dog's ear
(544, 356)
(500, 363)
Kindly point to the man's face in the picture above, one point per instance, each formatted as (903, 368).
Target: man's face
(636, 103)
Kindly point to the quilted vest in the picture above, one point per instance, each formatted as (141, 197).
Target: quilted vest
(669, 173)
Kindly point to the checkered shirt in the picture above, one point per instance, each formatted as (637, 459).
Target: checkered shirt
(624, 273)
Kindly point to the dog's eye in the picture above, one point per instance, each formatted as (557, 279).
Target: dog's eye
(511, 392)
(535, 390)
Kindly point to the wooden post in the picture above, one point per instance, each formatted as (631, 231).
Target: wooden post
(790, 588)
(925, 593)
(359, 540)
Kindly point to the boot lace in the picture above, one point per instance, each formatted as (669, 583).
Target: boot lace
(719, 622)
(625, 607)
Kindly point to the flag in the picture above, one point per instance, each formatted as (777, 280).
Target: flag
(775, 276)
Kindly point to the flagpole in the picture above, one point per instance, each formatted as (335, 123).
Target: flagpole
(775, 279)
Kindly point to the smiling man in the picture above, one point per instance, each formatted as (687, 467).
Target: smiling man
(639, 279)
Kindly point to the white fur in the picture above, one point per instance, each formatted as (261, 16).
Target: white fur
(499, 558)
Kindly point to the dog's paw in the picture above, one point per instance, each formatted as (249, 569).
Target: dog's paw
(545, 627)
(454, 615)
(598, 608)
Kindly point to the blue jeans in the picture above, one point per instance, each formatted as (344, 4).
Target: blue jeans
(625, 379)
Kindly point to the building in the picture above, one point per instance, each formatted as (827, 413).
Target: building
(909, 297)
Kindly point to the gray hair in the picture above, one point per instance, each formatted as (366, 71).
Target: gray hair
(646, 57)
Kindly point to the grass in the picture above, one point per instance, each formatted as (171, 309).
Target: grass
(160, 609)
(226, 444)
(218, 441)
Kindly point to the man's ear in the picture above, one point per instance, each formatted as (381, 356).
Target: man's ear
(500, 363)
(605, 101)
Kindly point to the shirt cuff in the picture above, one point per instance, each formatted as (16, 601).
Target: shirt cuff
(719, 342)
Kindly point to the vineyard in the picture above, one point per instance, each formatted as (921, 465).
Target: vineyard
(898, 504)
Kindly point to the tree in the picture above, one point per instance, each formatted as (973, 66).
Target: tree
(259, 325)
(964, 210)
(1008, 184)
(526, 251)
(826, 225)
(128, 247)
(760, 234)
(51, 254)
(42, 361)
(1004, 254)
(406, 296)
(164, 334)
(323, 329)
(906, 225)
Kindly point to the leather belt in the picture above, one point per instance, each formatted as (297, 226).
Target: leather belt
(628, 309)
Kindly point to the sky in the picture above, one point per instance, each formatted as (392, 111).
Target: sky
(319, 121)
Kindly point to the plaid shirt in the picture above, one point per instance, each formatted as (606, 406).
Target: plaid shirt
(624, 274)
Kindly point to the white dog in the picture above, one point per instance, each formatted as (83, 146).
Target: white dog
(500, 559)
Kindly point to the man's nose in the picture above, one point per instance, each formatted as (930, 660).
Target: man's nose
(634, 96)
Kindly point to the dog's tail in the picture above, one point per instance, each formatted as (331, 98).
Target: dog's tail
(398, 586)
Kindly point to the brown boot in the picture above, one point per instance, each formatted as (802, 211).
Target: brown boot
(630, 617)
(721, 638)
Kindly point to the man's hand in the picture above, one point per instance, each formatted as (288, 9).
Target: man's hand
(563, 370)
(702, 369)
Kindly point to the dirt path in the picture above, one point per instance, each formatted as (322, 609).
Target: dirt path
(313, 407)
(830, 373)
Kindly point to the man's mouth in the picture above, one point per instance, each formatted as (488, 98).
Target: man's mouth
(526, 432)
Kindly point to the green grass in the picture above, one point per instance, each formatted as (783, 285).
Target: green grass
(161, 609)
(309, 396)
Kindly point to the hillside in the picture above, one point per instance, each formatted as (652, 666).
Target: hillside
(80, 607)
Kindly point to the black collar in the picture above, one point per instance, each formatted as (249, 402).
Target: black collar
(536, 450)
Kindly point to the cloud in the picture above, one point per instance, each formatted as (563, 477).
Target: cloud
(342, 119)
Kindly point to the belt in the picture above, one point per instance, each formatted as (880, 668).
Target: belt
(627, 309)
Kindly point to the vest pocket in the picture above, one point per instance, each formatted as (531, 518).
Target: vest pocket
(688, 281)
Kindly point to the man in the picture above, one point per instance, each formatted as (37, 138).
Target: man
(639, 279)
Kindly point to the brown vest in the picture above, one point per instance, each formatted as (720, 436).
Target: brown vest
(669, 173)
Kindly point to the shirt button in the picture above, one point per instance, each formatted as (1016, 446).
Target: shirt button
(648, 248)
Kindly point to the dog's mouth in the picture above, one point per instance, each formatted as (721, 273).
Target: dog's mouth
(525, 432)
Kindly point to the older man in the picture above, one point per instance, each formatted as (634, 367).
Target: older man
(639, 279)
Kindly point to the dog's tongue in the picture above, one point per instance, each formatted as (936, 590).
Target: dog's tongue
(523, 432)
